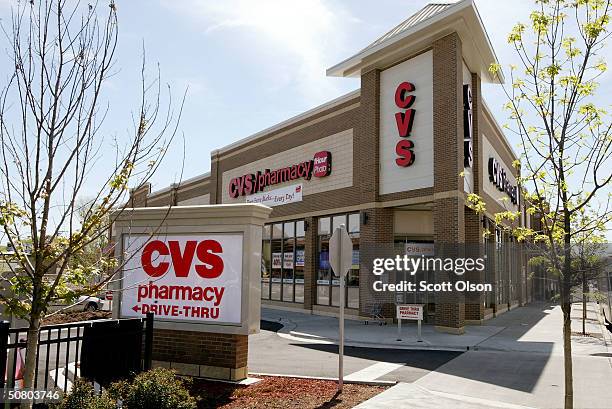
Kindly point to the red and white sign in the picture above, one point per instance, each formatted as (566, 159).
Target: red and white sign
(276, 260)
(406, 125)
(109, 295)
(410, 312)
(184, 277)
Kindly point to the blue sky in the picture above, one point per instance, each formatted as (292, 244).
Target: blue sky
(251, 64)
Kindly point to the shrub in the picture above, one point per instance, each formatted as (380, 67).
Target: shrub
(83, 396)
(155, 389)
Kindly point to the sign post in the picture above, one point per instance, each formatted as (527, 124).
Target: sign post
(340, 260)
(399, 299)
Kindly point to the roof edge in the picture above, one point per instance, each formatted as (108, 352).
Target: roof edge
(339, 69)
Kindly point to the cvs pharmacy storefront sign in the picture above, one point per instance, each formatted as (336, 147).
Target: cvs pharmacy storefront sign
(251, 183)
(184, 277)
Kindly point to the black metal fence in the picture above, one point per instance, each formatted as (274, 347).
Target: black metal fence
(95, 349)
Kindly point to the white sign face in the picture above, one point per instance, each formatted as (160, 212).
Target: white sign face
(278, 197)
(419, 249)
(410, 312)
(288, 261)
(400, 170)
(183, 277)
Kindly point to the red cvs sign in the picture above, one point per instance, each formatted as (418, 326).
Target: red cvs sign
(209, 263)
(404, 121)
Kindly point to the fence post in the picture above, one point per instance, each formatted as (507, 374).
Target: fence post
(5, 326)
(148, 352)
(4, 338)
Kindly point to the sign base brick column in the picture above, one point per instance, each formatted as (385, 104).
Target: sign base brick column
(201, 354)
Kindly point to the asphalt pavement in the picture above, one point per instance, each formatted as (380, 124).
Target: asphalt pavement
(269, 353)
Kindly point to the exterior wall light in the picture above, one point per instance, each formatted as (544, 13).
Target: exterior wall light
(364, 218)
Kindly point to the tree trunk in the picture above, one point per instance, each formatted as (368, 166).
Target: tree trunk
(585, 290)
(567, 355)
(29, 373)
(566, 307)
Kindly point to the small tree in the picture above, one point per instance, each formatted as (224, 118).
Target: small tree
(52, 149)
(565, 138)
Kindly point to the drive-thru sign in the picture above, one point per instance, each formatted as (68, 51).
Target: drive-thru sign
(198, 270)
(184, 277)
(410, 312)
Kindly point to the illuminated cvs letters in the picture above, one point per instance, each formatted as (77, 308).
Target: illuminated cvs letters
(467, 126)
(404, 121)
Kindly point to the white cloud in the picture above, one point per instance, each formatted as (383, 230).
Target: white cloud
(310, 30)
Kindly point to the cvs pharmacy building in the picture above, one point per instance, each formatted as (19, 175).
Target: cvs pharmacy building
(394, 161)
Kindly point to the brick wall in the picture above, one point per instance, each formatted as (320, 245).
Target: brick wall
(474, 306)
(203, 354)
(341, 147)
(449, 218)
(138, 196)
(367, 155)
(310, 263)
(377, 232)
(344, 117)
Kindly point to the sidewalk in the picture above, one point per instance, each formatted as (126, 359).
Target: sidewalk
(522, 329)
(410, 395)
(528, 375)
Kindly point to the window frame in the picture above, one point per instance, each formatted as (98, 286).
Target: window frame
(325, 237)
(282, 239)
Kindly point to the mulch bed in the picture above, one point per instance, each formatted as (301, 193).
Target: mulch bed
(65, 317)
(281, 392)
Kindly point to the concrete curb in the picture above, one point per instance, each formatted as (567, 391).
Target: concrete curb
(287, 332)
(324, 378)
(447, 348)
(358, 344)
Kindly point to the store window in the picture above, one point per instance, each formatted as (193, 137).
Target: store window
(282, 262)
(407, 244)
(328, 285)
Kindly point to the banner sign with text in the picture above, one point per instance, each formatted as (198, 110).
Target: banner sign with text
(278, 197)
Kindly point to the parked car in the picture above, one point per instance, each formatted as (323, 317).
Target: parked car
(84, 303)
